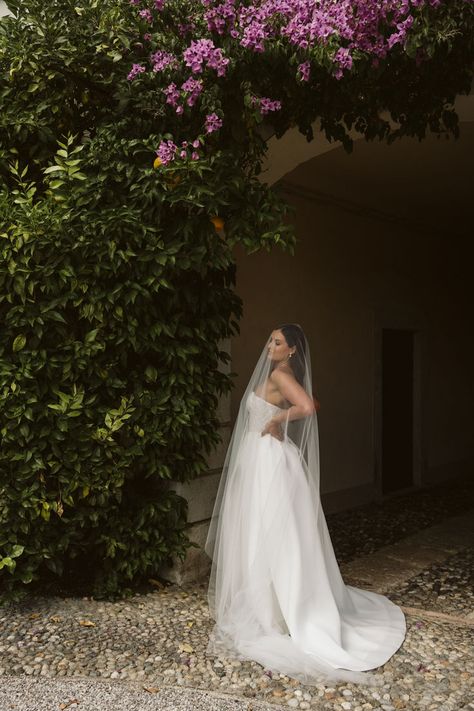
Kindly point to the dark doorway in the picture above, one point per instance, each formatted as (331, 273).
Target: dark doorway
(397, 409)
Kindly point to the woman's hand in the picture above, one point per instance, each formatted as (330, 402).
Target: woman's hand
(274, 429)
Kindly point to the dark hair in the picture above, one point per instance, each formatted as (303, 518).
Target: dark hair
(294, 336)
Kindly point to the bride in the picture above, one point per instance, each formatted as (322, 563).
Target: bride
(275, 589)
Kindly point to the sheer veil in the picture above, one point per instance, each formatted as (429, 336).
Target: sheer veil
(302, 433)
(262, 499)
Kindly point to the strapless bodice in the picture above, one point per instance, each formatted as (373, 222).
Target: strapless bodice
(260, 411)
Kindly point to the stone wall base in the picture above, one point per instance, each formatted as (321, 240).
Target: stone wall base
(197, 564)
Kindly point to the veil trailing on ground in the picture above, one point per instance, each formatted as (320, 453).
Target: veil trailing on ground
(275, 589)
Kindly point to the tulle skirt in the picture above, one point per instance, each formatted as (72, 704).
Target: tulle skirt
(276, 592)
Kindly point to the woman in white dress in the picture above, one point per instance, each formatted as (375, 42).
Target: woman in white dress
(275, 589)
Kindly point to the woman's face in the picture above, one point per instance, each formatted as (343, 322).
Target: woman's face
(278, 348)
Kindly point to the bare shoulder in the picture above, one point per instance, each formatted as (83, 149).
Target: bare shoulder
(282, 374)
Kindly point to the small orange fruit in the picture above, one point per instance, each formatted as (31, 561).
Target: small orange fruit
(218, 222)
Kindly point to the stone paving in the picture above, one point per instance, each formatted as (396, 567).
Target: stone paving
(364, 529)
(446, 587)
(156, 641)
(159, 639)
(402, 561)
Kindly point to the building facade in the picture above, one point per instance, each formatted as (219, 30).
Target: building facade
(381, 283)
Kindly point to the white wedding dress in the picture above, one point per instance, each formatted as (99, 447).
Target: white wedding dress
(281, 598)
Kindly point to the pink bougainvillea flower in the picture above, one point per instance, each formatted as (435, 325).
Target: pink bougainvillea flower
(162, 59)
(193, 87)
(203, 52)
(343, 60)
(135, 71)
(146, 15)
(166, 151)
(213, 123)
(304, 70)
(267, 105)
(172, 94)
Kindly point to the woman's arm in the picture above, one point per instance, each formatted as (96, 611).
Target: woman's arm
(302, 406)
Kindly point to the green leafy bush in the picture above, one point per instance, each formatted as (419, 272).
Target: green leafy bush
(115, 293)
(109, 377)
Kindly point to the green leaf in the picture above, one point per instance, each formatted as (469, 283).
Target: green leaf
(52, 169)
(56, 184)
(91, 336)
(19, 343)
(151, 373)
(16, 551)
(7, 562)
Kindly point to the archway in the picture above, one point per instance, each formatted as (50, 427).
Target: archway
(383, 239)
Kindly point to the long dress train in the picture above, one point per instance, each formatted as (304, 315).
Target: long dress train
(276, 591)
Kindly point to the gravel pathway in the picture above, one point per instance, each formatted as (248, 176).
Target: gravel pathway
(368, 528)
(445, 587)
(159, 638)
(432, 670)
(54, 649)
(30, 694)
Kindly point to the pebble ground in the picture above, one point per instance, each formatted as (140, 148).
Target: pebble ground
(158, 639)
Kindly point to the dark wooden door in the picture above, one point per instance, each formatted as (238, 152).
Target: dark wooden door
(397, 409)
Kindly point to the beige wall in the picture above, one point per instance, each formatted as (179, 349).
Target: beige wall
(354, 273)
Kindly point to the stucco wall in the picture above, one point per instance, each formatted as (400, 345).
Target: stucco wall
(352, 275)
